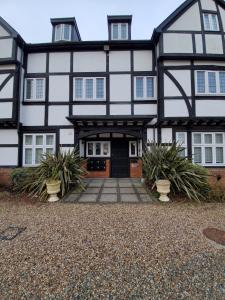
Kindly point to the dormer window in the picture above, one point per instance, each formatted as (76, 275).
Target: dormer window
(63, 32)
(211, 22)
(65, 29)
(119, 31)
(119, 27)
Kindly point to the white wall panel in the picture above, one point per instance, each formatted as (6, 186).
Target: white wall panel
(166, 135)
(175, 108)
(120, 88)
(66, 149)
(184, 79)
(59, 62)
(209, 63)
(7, 91)
(151, 134)
(142, 60)
(66, 136)
(3, 32)
(89, 61)
(145, 109)
(177, 43)
(36, 63)
(58, 88)
(211, 108)
(120, 109)
(8, 136)
(198, 43)
(6, 110)
(222, 13)
(208, 5)
(90, 110)
(8, 156)
(32, 115)
(6, 48)
(119, 61)
(177, 63)
(214, 44)
(81, 148)
(8, 67)
(183, 23)
(57, 115)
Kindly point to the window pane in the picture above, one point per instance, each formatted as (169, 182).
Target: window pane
(197, 155)
(139, 87)
(208, 155)
(181, 137)
(39, 140)
(182, 152)
(98, 148)
(78, 88)
(105, 149)
(197, 138)
(49, 151)
(206, 22)
(123, 31)
(219, 155)
(99, 88)
(201, 82)
(219, 138)
(38, 155)
(39, 88)
(115, 34)
(214, 22)
(150, 88)
(28, 156)
(28, 140)
(212, 82)
(67, 32)
(208, 138)
(89, 88)
(49, 140)
(29, 88)
(222, 82)
(58, 32)
(90, 148)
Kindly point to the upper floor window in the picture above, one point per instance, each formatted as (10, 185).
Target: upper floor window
(89, 88)
(62, 32)
(119, 31)
(211, 22)
(210, 82)
(35, 89)
(144, 87)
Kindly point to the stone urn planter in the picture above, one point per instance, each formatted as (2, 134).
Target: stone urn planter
(163, 188)
(53, 188)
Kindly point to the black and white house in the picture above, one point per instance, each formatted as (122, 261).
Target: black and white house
(110, 97)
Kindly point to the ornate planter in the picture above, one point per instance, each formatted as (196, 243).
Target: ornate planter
(53, 188)
(163, 187)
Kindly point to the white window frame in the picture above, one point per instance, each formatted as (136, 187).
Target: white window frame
(33, 147)
(34, 89)
(62, 29)
(145, 88)
(203, 145)
(120, 32)
(84, 89)
(210, 22)
(94, 148)
(207, 92)
(136, 149)
(184, 144)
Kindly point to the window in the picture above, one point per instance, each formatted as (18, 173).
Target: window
(35, 145)
(63, 32)
(211, 22)
(119, 31)
(133, 149)
(35, 89)
(89, 88)
(208, 148)
(144, 87)
(181, 138)
(98, 149)
(210, 82)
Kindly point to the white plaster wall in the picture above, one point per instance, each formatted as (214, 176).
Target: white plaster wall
(6, 48)
(19, 54)
(90, 110)
(3, 77)
(198, 43)
(3, 32)
(58, 88)
(120, 109)
(177, 43)
(120, 88)
(151, 134)
(208, 5)
(175, 108)
(209, 63)
(214, 44)
(6, 110)
(145, 109)
(57, 115)
(184, 79)
(211, 108)
(36, 63)
(32, 115)
(59, 62)
(8, 67)
(66, 149)
(8, 156)
(119, 61)
(222, 14)
(166, 135)
(7, 91)
(81, 148)
(177, 63)
(89, 61)
(8, 136)
(66, 136)
(190, 20)
(142, 60)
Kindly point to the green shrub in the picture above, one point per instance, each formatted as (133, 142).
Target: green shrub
(165, 162)
(216, 194)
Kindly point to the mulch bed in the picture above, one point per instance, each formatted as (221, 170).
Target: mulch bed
(215, 235)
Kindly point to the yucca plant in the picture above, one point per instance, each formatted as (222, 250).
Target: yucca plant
(166, 162)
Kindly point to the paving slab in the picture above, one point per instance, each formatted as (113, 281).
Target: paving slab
(110, 184)
(95, 184)
(125, 184)
(127, 190)
(92, 190)
(109, 190)
(108, 198)
(146, 198)
(86, 198)
(141, 190)
(132, 198)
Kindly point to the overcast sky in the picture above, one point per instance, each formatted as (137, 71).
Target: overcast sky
(31, 18)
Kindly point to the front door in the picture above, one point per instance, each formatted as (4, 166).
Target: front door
(120, 163)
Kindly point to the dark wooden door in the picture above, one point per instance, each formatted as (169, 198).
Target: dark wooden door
(120, 166)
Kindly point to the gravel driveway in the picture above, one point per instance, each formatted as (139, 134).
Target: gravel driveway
(114, 251)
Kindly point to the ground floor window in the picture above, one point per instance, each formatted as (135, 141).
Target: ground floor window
(35, 145)
(98, 149)
(133, 149)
